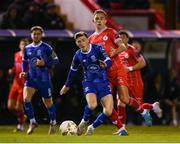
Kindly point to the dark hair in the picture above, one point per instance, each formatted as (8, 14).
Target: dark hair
(24, 40)
(79, 34)
(124, 33)
(100, 11)
(37, 28)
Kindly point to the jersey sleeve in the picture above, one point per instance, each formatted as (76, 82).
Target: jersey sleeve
(104, 56)
(51, 58)
(73, 69)
(113, 34)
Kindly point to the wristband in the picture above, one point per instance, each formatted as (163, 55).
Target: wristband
(130, 68)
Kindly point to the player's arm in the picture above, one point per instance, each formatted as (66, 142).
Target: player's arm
(139, 65)
(23, 74)
(71, 74)
(51, 58)
(105, 61)
(121, 46)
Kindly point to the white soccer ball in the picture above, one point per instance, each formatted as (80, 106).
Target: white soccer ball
(68, 127)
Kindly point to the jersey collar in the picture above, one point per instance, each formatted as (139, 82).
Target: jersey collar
(37, 45)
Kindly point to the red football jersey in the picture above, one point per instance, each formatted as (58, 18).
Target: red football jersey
(17, 69)
(130, 57)
(107, 39)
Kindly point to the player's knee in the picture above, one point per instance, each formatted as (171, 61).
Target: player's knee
(26, 99)
(92, 106)
(124, 100)
(10, 107)
(108, 111)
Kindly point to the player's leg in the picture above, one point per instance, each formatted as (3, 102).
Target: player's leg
(121, 110)
(52, 114)
(91, 105)
(21, 117)
(12, 99)
(123, 92)
(28, 93)
(45, 90)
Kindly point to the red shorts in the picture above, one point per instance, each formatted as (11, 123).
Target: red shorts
(117, 77)
(16, 92)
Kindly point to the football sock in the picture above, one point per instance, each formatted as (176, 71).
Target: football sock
(114, 119)
(121, 111)
(20, 116)
(99, 120)
(29, 110)
(135, 105)
(87, 113)
(147, 106)
(52, 114)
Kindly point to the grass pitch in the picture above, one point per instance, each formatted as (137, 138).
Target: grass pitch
(103, 134)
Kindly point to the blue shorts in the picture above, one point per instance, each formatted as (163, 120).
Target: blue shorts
(101, 89)
(44, 88)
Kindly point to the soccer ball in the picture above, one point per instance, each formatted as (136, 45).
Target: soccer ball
(68, 127)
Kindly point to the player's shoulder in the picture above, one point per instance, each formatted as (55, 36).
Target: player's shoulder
(131, 48)
(46, 45)
(111, 30)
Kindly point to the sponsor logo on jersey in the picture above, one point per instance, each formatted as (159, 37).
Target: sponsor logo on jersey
(93, 68)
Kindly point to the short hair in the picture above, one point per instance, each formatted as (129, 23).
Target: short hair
(100, 11)
(79, 34)
(37, 28)
(24, 40)
(124, 33)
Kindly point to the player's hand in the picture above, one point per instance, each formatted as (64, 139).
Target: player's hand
(113, 52)
(23, 75)
(102, 64)
(40, 62)
(128, 69)
(64, 90)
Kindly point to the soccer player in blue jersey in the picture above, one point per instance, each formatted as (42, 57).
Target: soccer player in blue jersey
(95, 84)
(38, 58)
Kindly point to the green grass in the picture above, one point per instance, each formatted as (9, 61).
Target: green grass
(102, 134)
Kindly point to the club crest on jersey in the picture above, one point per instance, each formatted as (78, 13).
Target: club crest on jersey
(105, 38)
(93, 58)
(126, 55)
(38, 52)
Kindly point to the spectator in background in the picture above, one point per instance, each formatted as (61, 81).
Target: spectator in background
(34, 16)
(42, 4)
(54, 20)
(173, 97)
(11, 19)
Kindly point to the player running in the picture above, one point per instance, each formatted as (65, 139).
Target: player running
(38, 57)
(95, 84)
(134, 62)
(113, 45)
(15, 98)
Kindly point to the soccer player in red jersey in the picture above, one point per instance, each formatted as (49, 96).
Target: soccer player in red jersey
(15, 98)
(134, 62)
(113, 45)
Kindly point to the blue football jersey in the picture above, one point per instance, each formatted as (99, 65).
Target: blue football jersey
(90, 63)
(31, 54)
